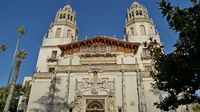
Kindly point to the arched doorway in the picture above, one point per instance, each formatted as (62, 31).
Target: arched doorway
(95, 106)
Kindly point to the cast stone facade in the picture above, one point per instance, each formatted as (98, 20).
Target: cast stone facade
(97, 74)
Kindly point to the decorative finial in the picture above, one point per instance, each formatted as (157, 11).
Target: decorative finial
(69, 2)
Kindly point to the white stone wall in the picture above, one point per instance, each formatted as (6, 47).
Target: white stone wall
(44, 54)
(40, 91)
(55, 41)
(39, 95)
(131, 92)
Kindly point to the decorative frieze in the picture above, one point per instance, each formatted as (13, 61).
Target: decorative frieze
(98, 60)
(104, 67)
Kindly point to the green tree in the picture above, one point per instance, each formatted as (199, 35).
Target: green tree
(26, 92)
(196, 108)
(178, 73)
(4, 93)
(20, 55)
(2, 47)
(21, 30)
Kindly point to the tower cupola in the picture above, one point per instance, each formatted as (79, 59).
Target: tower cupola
(66, 14)
(137, 11)
(64, 24)
(138, 25)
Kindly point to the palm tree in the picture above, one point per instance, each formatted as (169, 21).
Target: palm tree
(21, 31)
(20, 55)
(2, 47)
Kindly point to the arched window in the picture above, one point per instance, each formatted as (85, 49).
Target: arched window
(68, 16)
(137, 13)
(64, 16)
(140, 12)
(58, 33)
(71, 18)
(69, 33)
(133, 14)
(129, 15)
(132, 31)
(142, 30)
(60, 16)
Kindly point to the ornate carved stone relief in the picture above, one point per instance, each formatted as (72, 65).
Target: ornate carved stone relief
(95, 85)
(78, 104)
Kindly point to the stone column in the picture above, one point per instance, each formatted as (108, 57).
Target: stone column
(123, 92)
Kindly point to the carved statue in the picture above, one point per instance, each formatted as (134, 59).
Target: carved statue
(110, 92)
(94, 86)
(95, 76)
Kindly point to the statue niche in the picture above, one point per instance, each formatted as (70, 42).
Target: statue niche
(94, 88)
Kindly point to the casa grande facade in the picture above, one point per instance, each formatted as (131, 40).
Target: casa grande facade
(97, 74)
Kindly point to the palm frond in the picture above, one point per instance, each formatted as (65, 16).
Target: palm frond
(21, 30)
(2, 47)
(21, 54)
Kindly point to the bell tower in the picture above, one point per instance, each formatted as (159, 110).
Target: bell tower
(63, 30)
(64, 25)
(138, 26)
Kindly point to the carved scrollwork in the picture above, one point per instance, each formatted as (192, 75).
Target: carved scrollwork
(95, 85)
(110, 102)
(77, 104)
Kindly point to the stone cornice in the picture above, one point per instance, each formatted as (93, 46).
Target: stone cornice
(86, 68)
(116, 45)
(66, 23)
(139, 20)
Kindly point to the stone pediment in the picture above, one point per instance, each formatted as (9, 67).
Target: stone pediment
(99, 44)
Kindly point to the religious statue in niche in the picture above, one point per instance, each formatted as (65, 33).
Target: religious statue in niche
(94, 82)
(110, 92)
(95, 76)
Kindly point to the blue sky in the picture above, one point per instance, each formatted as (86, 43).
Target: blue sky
(95, 17)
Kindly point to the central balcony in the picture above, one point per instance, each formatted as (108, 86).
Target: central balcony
(52, 60)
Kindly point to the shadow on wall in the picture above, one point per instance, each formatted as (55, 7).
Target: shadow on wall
(52, 102)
